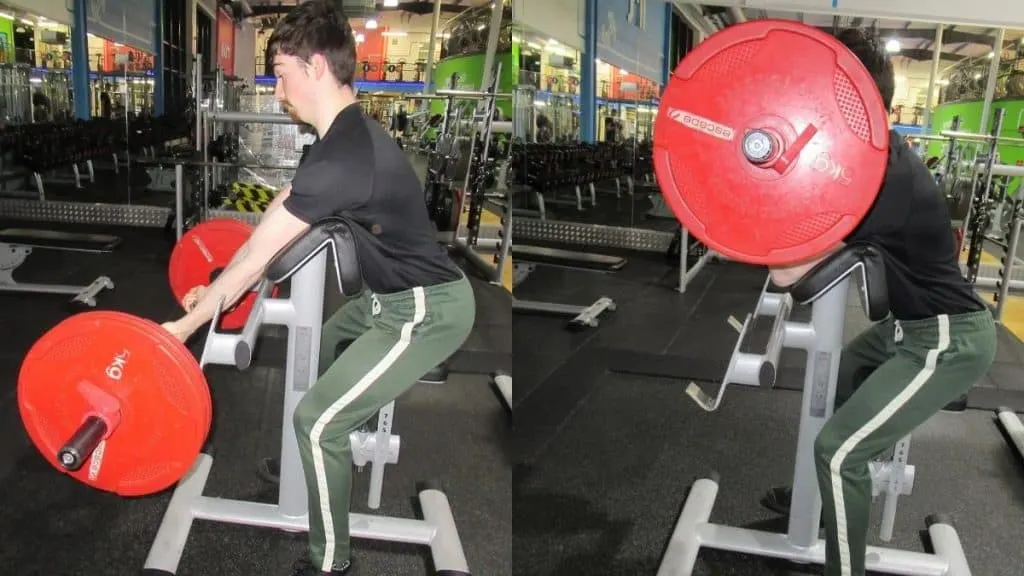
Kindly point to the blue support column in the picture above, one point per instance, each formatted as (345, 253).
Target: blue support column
(666, 49)
(588, 73)
(80, 59)
(158, 58)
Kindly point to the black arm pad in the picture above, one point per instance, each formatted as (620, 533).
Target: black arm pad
(333, 233)
(856, 257)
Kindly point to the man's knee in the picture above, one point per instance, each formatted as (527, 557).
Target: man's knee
(304, 418)
(825, 447)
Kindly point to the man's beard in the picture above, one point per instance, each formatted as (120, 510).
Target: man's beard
(290, 110)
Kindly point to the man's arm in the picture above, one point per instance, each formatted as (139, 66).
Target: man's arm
(783, 277)
(786, 277)
(276, 230)
(277, 201)
(243, 250)
(327, 186)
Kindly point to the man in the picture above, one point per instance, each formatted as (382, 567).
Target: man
(939, 340)
(418, 308)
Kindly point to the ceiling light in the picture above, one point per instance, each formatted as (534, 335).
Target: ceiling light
(390, 3)
(371, 24)
(892, 46)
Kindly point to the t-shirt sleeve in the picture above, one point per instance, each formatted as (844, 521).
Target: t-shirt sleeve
(324, 187)
(892, 206)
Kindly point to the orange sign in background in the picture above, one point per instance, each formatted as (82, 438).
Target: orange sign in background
(225, 42)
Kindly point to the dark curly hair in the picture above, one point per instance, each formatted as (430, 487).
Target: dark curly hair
(317, 27)
(871, 52)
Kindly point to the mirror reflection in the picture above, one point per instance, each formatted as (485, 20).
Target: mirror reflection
(63, 146)
(584, 154)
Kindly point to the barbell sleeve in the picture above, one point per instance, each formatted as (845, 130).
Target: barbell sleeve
(82, 443)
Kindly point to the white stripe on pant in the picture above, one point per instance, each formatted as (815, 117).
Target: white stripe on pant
(360, 387)
(836, 465)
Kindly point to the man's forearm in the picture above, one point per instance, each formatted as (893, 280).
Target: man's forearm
(784, 277)
(236, 280)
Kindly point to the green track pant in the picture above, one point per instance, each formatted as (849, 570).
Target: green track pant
(892, 378)
(392, 340)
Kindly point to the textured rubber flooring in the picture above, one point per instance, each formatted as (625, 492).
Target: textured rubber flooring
(456, 434)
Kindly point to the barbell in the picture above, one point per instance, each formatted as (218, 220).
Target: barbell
(115, 400)
(771, 142)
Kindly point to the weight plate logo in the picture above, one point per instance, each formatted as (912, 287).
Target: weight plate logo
(702, 124)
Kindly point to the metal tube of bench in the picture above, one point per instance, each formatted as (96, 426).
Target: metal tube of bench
(474, 94)
(247, 339)
(770, 363)
(249, 117)
(179, 200)
(1008, 262)
(490, 272)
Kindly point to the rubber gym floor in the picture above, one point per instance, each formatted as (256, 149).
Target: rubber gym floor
(456, 434)
(606, 445)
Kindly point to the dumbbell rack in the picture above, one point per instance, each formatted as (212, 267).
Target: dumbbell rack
(302, 313)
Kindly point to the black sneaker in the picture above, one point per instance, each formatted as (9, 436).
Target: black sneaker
(305, 568)
(437, 375)
(270, 470)
(958, 405)
(779, 499)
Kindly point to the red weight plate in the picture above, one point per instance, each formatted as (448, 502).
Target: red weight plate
(804, 108)
(133, 373)
(204, 250)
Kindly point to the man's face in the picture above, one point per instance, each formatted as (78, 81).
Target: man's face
(295, 87)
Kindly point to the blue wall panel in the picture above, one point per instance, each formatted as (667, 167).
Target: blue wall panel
(129, 22)
(631, 35)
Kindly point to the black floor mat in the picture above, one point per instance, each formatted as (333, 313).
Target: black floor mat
(489, 345)
(608, 483)
(455, 434)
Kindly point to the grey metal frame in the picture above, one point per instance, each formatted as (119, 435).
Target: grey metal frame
(302, 313)
(1013, 427)
(13, 255)
(588, 316)
(822, 338)
(528, 230)
(503, 382)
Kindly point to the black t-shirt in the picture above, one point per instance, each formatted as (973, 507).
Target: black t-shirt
(356, 170)
(910, 222)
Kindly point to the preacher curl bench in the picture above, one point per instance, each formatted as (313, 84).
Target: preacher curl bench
(304, 262)
(826, 288)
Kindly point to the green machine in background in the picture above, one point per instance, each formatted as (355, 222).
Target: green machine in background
(466, 73)
(970, 121)
(461, 66)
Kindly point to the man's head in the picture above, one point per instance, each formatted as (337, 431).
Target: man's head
(314, 55)
(873, 55)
